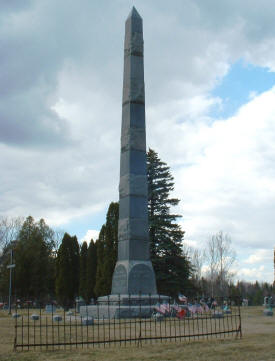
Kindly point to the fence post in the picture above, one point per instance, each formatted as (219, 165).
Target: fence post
(239, 314)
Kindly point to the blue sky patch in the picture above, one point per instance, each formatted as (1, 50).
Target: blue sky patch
(79, 226)
(236, 87)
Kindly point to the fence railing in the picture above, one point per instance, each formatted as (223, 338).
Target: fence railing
(39, 326)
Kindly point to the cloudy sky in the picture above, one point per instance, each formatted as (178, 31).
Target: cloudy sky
(210, 112)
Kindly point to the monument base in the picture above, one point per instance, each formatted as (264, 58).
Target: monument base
(123, 306)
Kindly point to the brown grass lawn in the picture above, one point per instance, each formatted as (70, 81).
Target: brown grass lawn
(258, 343)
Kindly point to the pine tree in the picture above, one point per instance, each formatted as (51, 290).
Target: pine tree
(33, 259)
(171, 266)
(67, 271)
(107, 251)
(83, 284)
(111, 243)
(91, 270)
(100, 279)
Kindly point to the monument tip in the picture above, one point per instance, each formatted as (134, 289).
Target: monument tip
(134, 13)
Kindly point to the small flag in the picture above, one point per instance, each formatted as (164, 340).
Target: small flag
(199, 308)
(192, 309)
(176, 307)
(214, 303)
(159, 309)
(182, 298)
(165, 307)
(181, 313)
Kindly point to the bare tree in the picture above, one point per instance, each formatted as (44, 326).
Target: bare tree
(220, 257)
(9, 230)
(212, 261)
(197, 261)
(196, 257)
(58, 236)
(226, 257)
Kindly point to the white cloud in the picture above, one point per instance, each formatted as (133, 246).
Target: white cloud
(260, 256)
(229, 177)
(260, 273)
(90, 234)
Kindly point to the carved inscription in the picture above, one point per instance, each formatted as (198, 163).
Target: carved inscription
(141, 279)
(119, 284)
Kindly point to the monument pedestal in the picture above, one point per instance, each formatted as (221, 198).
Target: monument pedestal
(133, 277)
(123, 306)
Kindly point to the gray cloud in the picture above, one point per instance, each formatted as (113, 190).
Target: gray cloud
(8, 6)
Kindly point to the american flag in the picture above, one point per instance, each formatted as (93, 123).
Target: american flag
(176, 307)
(165, 307)
(159, 309)
(192, 309)
(205, 307)
(199, 309)
(182, 298)
(214, 303)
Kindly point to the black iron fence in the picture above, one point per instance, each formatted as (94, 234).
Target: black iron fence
(138, 321)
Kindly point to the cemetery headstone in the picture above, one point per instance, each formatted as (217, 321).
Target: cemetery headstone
(34, 317)
(15, 315)
(57, 318)
(268, 306)
(79, 302)
(50, 308)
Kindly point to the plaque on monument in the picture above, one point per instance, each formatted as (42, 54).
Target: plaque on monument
(120, 279)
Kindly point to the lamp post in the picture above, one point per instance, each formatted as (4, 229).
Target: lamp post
(10, 266)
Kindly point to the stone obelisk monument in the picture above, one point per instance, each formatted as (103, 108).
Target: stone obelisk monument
(134, 289)
(133, 273)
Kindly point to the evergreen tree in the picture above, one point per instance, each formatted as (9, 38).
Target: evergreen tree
(107, 251)
(171, 266)
(83, 282)
(91, 269)
(111, 244)
(67, 271)
(100, 279)
(33, 259)
(4, 271)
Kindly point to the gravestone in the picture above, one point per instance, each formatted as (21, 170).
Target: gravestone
(268, 304)
(79, 301)
(34, 317)
(50, 308)
(15, 315)
(57, 318)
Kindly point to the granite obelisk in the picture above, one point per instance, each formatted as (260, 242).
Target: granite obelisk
(133, 273)
(134, 289)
